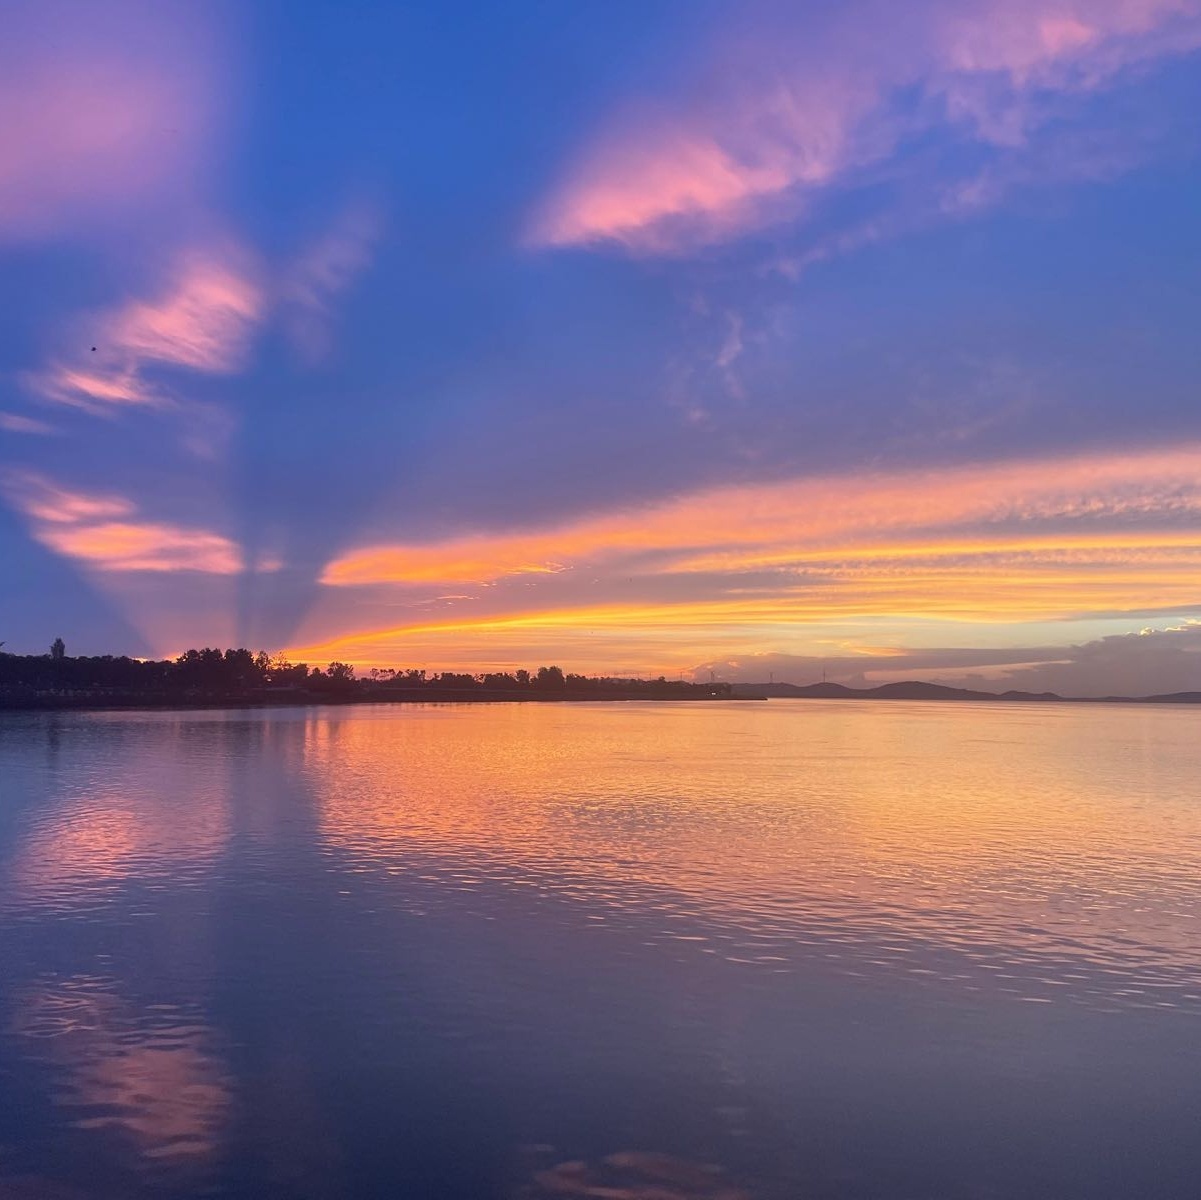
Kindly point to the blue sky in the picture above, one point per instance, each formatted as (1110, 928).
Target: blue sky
(640, 338)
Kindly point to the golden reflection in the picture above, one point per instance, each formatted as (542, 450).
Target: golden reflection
(969, 829)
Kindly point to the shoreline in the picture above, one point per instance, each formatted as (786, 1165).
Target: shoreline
(131, 703)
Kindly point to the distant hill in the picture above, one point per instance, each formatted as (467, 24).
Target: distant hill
(909, 690)
(914, 689)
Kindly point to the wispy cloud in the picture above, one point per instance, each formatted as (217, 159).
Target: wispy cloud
(17, 423)
(96, 390)
(786, 110)
(49, 503)
(202, 320)
(322, 272)
(107, 532)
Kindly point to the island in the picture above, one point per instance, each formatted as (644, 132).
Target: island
(913, 689)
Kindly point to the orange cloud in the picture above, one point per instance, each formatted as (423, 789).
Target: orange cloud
(467, 560)
(103, 531)
(665, 636)
(752, 567)
(147, 546)
(807, 520)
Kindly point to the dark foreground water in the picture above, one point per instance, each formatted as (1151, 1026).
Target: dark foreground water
(632, 952)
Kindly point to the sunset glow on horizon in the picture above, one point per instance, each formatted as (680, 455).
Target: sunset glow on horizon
(772, 564)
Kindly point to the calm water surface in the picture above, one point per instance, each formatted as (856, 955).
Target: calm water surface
(637, 952)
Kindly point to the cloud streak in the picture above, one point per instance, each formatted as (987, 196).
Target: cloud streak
(18, 423)
(760, 567)
(786, 110)
(203, 320)
(322, 272)
(1098, 503)
(107, 532)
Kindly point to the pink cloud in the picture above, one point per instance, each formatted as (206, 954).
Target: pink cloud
(689, 178)
(96, 390)
(1042, 40)
(204, 320)
(108, 109)
(16, 423)
(325, 269)
(789, 113)
(144, 546)
(634, 193)
(42, 500)
(107, 533)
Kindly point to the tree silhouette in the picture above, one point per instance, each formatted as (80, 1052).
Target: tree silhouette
(551, 678)
(239, 676)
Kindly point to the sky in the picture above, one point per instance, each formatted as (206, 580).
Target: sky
(761, 340)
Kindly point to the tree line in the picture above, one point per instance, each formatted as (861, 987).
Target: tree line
(214, 675)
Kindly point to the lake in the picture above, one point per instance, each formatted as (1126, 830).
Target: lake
(631, 951)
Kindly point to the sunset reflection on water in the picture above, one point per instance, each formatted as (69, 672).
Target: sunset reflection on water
(696, 950)
(1023, 837)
